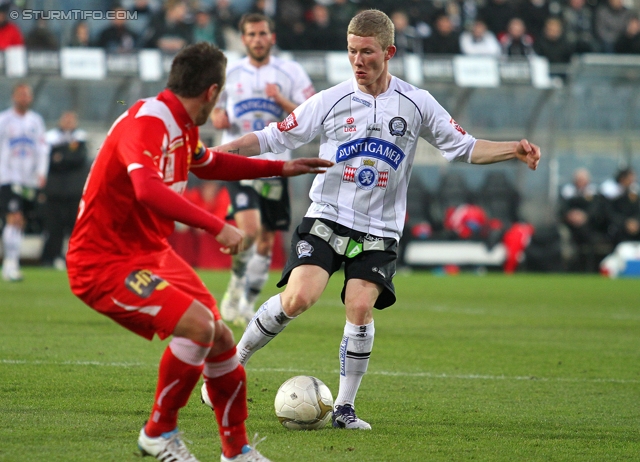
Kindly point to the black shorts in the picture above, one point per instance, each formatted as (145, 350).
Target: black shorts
(328, 245)
(270, 196)
(16, 198)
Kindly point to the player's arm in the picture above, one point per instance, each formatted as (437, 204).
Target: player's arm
(273, 91)
(220, 118)
(489, 152)
(151, 192)
(247, 145)
(215, 165)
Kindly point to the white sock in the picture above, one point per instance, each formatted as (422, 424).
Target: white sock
(355, 350)
(239, 262)
(256, 276)
(268, 322)
(11, 240)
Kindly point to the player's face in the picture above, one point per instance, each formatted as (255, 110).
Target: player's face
(22, 98)
(258, 40)
(368, 60)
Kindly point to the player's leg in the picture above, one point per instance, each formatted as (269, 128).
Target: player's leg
(355, 350)
(306, 284)
(11, 240)
(257, 273)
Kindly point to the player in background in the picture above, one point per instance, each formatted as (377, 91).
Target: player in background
(369, 126)
(260, 89)
(120, 263)
(24, 163)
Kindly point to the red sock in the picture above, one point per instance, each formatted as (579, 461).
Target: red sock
(228, 393)
(176, 381)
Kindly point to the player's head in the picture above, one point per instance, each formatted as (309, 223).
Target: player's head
(22, 97)
(370, 46)
(198, 71)
(258, 35)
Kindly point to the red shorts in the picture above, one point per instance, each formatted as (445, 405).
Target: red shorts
(146, 294)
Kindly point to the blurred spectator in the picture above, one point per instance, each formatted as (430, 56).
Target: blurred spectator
(290, 25)
(581, 211)
(610, 23)
(227, 19)
(497, 14)
(420, 14)
(444, 39)
(623, 211)
(67, 174)
(321, 34)
(117, 37)
(40, 37)
(206, 29)
(534, 13)
(407, 39)
(341, 12)
(10, 34)
(552, 44)
(613, 188)
(80, 35)
(629, 43)
(516, 41)
(479, 40)
(169, 30)
(578, 21)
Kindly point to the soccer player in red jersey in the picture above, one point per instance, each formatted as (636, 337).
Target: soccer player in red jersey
(120, 263)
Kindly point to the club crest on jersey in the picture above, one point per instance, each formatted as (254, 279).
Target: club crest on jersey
(397, 126)
(304, 249)
(288, 124)
(366, 176)
(371, 147)
(144, 282)
(457, 127)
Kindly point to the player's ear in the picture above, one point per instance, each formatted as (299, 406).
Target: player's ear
(391, 51)
(213, 92)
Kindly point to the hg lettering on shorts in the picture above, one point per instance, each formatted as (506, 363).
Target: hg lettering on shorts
(144, 282)
(344, 245)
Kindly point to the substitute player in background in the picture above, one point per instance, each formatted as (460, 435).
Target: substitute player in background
(24, 163)
(120, 263)
(260, 89)
(369, 126)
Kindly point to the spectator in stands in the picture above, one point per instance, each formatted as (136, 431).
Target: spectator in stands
(497, 14)
(169, 30)
(577, 17)
(478, 40)
(610, 23)
(407, 39)
(623, 210)
(444, 39)
(580, 210)
(68, 160)
(552, 44)
(206, 29)
(80, 35)
(290, 26)
(117, 37)
(516, 41)
(534, 13)
(321, 34)
(613, 188)
(24, 162)
(341, 12)
(10, 34)
(629, 43)
(40, 37)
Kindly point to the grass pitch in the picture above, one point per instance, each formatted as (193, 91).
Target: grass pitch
(487, 368)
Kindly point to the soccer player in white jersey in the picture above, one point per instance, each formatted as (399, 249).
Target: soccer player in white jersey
(24, 163)
(260, 89)
(369, 126)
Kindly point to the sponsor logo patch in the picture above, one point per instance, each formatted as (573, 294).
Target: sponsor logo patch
(457, 127)
(361, 101)
(144, 282)
(371, 147)
(304, 249)
(366, 176)
(288, 124)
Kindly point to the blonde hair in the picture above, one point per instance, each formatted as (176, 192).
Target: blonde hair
(373, 23)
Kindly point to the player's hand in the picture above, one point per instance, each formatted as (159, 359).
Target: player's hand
(305, 165)
(232, 239)
(528, 153)
(220, 119)
(272, 90)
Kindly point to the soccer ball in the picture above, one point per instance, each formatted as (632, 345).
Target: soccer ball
(304, 403)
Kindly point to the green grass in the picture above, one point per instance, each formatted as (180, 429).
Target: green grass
(490, 368)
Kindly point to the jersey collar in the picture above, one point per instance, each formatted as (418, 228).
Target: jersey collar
(390, 89)
(177, 109)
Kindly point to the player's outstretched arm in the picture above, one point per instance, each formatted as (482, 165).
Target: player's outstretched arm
(247, 145)
(304, 165)
(489, 152)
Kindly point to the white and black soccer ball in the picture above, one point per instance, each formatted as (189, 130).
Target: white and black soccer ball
(304, 403)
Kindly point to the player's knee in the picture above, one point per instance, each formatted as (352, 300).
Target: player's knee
(298, 301)
(222, 340)
(196, 324)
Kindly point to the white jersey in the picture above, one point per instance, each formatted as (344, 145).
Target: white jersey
(247, 105)
(372, 142)
(24, 152)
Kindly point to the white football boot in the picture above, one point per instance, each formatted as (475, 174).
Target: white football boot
(167, 447)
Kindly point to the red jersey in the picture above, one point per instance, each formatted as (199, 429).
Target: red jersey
(155, 133)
